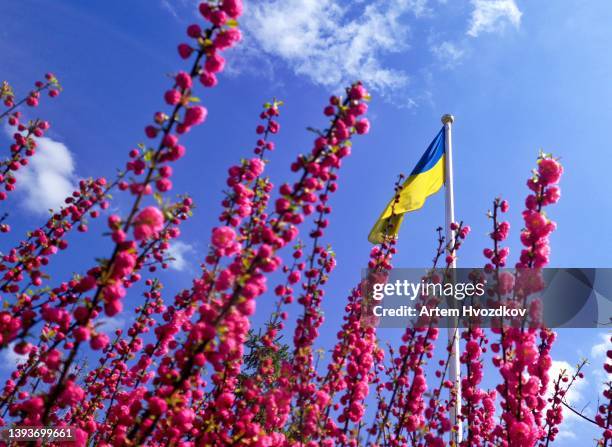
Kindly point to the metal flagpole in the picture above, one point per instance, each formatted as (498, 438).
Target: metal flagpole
(453, 332)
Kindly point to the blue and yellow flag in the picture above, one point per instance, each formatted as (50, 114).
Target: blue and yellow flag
(426, 179)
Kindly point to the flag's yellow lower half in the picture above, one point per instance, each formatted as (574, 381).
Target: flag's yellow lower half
(412, 196)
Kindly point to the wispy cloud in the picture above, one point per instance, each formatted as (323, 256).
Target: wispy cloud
(49, 176)
(109, 325)
(332, 43)
(447, 53)
(599, 355)
(10, 359)
(178, 251)
(565, 433)
(601, 347)
(181, 10)
(493, 15)
(575, 392)
(168, 6)
(573, 396)
(247, 58)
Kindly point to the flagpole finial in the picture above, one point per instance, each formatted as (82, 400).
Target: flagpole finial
(448, 118)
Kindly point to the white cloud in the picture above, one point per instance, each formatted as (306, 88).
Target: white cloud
(574, 392)
(448, 53)
(573, 395)
(178, 250)
(246, 57)
(420, 8)
(599, 349)
(493, 15)
(565, 433)
(170, 8)
(599, 355)
(10, 359)
(330, 43)
(181, 10)
(109, 325)
(49, 176)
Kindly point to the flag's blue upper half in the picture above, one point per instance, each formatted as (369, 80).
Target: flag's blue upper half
(432, 155)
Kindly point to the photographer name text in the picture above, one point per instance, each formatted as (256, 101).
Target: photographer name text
(465, 311)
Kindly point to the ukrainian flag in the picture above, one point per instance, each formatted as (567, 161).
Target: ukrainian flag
(425, 179)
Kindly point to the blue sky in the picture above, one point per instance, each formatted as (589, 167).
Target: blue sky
(519, 76)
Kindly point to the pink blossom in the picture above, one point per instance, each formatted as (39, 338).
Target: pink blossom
(225, 400)
(112, 308)
(157, 405)
(362, 126)
(256, 166)
(549, 171)
(123, 265)
(194, 31)
(208, 79)
(148, 223)
(72, 394)
(506, 283)
(99, 341)
(223, 237)
(185, 50)
(521, 434)
(357, 92)
(163, 185)
(227, 38)
(114, 292)
(183, 80)
(183, 419)
(233, 8)
(214, 63)
(224, 280)
(195, 115)
(536, 223)
(527, 352)
(172, 97)
(218, 17)
(552, 195)
(81, 334)
(87, 283)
